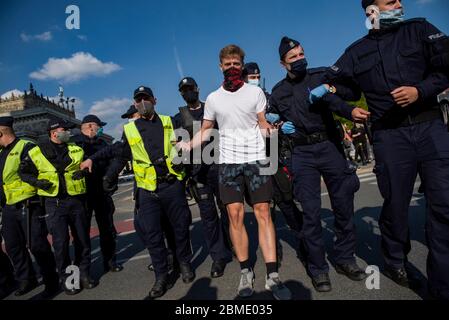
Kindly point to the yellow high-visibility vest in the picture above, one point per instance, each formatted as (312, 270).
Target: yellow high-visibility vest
(48, 172)
(14, 188)
(144, 172)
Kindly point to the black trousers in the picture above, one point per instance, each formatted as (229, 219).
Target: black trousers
(206, 182)
(63, 214)
(104, 209)
(168, 200)
(14, 233)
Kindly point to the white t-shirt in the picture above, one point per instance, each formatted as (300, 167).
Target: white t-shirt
(241, 140)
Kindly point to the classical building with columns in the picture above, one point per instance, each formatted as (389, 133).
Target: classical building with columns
(31, 112)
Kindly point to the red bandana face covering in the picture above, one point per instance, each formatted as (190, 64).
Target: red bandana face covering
(232, 79)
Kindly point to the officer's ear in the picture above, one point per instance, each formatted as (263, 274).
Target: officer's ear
(284, 64)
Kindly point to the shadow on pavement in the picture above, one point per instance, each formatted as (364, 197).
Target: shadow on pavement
(368, 246)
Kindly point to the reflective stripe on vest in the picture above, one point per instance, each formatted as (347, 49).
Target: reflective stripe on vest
(14, 188)
(48, 172)
(144, 171)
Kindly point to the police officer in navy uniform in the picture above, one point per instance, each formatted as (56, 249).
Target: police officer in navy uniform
(203, 181)
(132, 114)
(53, 167)
(394, 67)
(316, 153)
(99, 200)
(23, 222)
(149, 143)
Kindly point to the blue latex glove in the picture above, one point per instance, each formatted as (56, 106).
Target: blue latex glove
(317, 93)
(288, 128)
(272, 117)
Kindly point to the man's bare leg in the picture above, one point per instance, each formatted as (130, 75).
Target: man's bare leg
(239, 238)
(237, 230)
(267, 234)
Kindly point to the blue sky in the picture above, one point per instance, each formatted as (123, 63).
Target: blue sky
(122, 44)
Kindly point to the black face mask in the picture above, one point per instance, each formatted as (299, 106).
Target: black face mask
(191, 97)
(299, 68)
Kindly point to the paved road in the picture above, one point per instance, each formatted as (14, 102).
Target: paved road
(135, 281)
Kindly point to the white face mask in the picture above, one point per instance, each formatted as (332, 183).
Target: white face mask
(254, 82)
(132, 119)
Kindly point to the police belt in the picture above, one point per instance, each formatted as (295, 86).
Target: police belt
(410, 120)
(169, 178)
(313, 138)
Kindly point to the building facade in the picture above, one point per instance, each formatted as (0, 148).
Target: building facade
(31, 113)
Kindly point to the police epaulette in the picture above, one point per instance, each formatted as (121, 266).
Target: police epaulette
(317, 70)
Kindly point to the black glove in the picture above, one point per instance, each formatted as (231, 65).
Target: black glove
(110, 185)
(78, 175)
(44, 184)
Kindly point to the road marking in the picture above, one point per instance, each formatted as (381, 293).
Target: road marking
(365, 175)
(134, 258)
(368, 179)
(121, 192)
(126, 184)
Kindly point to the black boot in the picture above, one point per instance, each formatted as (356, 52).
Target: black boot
(352, 271)
(187, 274)
(25, 287)
(72, 290)
(112, 266)
(159, 287)
(217, 269)
(52, 288)
(88, 283)
(322, 283)
(401, 277)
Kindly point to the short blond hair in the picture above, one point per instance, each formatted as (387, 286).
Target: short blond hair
(232, 50)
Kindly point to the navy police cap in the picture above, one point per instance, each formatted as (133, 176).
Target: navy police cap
(286, 45)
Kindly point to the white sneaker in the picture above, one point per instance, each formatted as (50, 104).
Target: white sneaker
(246, 285)
(277, 288)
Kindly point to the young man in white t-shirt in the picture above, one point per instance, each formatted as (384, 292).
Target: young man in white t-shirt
(239, 110)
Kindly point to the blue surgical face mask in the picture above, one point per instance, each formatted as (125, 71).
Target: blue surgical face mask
(389, 18)
(99, 132)
(254, 82)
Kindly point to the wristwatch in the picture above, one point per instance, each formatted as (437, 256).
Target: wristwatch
(332, 89)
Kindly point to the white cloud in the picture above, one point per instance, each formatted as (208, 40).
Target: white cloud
(80, 65)
(8, 94)
(45, 36)
(109, 110)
